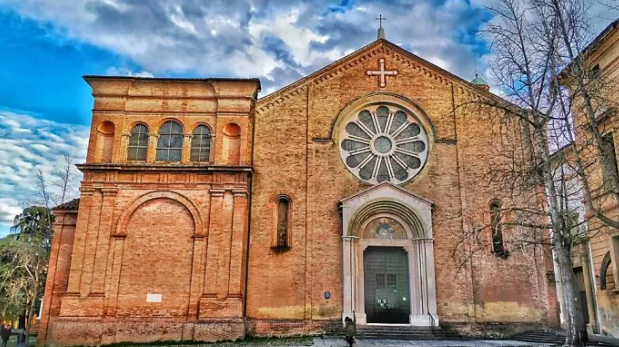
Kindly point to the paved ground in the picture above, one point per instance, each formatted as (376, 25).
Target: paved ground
(339, 342)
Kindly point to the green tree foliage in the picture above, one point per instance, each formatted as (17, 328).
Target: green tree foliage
(24, 258)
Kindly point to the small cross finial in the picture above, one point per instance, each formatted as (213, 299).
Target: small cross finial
(380, 19)
(381, 31)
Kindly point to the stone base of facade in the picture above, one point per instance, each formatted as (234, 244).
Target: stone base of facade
(288, 328)
(492, 330)
(73, 332)
(83, 332)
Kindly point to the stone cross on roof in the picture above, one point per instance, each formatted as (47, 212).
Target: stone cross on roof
(381, 31)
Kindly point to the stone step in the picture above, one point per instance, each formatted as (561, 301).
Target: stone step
(391, 332)
(540, 336)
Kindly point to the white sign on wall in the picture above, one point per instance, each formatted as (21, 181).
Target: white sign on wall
(153, 297)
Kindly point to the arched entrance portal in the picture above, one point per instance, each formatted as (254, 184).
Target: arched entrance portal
(388, 257)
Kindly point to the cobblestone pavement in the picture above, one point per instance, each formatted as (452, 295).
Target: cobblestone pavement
(339, 342)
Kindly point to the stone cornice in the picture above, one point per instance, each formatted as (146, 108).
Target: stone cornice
(164, 168)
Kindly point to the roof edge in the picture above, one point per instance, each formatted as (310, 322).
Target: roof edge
(451, 76)
(174, 79)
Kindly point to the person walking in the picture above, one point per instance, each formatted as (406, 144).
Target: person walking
(351, 330)
(5, 333)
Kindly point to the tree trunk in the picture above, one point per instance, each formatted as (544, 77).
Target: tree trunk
(575, 330)
(21, 321)
(31, 309)
(573, 320)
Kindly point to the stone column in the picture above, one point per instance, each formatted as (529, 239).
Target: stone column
(358, 251)
(414, 281)
(349, 285)
(428, 244)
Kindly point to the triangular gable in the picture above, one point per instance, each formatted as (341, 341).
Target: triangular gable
(391, 186)
(350, 60)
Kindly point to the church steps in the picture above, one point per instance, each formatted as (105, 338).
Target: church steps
(404, 333)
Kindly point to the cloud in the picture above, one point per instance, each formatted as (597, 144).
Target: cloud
(29, 143)
(276, 40)
(8, 210)
(123, 71)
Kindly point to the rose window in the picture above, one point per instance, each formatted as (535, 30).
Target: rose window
(384, 143)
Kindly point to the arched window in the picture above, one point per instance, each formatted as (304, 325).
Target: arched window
(604, 271)
(497, 230)
(105, 142)
(170, 143)
(283, 216)
(138, 143)
(201, 144)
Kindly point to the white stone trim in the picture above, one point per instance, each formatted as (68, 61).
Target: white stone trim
(420, 253)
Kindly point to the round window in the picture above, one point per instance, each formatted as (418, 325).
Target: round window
(384, 143)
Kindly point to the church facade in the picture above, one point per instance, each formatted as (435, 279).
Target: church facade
(207, 214)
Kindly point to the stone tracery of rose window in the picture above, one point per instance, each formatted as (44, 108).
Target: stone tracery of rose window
(383, 143)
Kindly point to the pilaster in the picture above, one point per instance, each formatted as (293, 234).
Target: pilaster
(151, 152)
(77, 256)
(90, 246)
(238, 247)
(103, 241)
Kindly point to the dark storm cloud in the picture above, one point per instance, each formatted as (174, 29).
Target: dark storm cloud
(272, 39)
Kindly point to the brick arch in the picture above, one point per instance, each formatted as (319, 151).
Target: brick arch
(411, 222)
(161, 122)
(121, 227)
(140, 122)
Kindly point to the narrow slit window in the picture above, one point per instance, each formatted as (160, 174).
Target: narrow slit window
(283, 214)
(497, 230)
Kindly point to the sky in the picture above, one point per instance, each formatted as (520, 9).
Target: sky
(47, 45)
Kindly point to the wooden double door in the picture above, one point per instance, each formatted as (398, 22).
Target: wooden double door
(387, 292)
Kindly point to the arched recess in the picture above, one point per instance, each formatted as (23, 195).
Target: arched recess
(413, 215)
(159, 243)
(410, 220)
(232, 144)
(124, 218)
(105, 142)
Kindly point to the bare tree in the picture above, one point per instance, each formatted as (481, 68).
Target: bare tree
(536, 46)
(64, 179)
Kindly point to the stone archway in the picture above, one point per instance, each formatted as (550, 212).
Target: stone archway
(388, 217)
